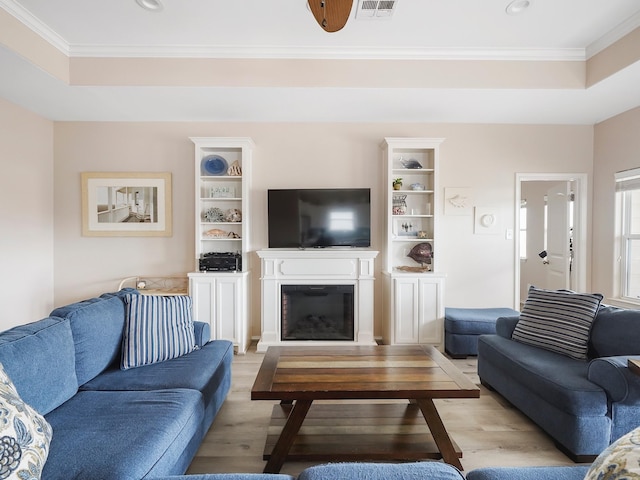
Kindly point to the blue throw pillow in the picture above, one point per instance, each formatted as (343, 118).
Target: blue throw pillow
(558, 320)
(157, 328)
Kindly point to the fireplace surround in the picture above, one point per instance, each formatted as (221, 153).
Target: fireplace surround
(334, 272)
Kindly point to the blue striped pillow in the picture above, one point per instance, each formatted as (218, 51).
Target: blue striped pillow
(156, 329)
(558, 320)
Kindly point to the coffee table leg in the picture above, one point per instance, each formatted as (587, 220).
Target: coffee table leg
(440, 435)
(287, 436)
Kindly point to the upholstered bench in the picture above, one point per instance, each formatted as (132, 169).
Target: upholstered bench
(462, 326)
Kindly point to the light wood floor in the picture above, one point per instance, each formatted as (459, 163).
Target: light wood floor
(489, 431)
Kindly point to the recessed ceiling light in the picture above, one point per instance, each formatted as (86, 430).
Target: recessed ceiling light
(151, 5)
(517, 6)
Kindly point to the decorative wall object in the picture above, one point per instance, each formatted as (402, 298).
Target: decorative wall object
(458, 201)
(126, 204)
(487, 221)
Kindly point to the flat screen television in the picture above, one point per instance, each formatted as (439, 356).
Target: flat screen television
(321, 217)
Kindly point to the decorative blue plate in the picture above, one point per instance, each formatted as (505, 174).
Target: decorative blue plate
(214, 165)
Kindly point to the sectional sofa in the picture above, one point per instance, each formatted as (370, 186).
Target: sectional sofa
(109, 423)
(147, 422)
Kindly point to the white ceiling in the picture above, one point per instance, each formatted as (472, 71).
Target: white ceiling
(460, 29)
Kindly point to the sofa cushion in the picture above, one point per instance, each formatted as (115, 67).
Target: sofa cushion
(24, 435)
(615, 332)
(206, 368)
(572, 472)
(157, 328)
(619, 460)
(382, 471)
(558, 379)
(40, 360)
(97, 325)
(123, 435)
(557, 320)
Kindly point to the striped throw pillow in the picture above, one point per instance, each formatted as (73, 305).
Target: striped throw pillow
(156, 329)
(558, 320)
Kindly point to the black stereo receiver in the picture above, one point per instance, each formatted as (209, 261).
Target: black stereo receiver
(221, 262)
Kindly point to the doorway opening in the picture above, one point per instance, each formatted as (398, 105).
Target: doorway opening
(550, 232)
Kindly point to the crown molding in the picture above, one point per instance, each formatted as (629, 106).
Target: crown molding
(196, 51)
(35, 25)
(611, 37)
(274, 52)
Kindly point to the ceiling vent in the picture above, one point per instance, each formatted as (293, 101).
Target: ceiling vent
(375, 9)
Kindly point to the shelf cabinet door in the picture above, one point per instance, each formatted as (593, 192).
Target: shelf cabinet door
(430, 311)
(418, 312)
(220, 301)
(407, 327)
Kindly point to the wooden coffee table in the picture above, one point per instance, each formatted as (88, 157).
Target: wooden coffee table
(367, 431)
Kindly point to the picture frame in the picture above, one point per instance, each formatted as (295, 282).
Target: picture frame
(126, 204)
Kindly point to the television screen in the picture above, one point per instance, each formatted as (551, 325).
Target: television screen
(323, 217)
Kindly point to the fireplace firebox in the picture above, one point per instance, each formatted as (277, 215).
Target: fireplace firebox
(317, 312)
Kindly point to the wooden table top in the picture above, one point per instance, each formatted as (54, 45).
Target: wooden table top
(359, 372)
(634, 365)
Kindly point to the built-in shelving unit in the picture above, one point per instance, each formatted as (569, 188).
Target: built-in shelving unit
(411, 209)
(414, 288)
(222, 203)
(222, 185)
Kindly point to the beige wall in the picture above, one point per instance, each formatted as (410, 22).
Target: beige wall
(617, 148)
(26, 216)
(482, 157)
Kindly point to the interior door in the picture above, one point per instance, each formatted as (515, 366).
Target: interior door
(559, 237)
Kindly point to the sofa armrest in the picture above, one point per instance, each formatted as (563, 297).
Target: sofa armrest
(506, 325)
(573, 472)
(613, 375)
(203, 332)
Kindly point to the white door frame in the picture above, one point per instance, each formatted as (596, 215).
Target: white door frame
(579, 227)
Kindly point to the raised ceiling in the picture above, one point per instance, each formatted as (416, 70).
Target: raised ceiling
(423, 38)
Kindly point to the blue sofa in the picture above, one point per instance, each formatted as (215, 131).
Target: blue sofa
(408, 471)
(108, 423)
(584, 405)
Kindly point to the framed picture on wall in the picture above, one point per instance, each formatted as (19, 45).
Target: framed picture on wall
(126, 204)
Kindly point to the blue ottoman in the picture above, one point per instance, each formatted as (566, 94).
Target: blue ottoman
(462, 326)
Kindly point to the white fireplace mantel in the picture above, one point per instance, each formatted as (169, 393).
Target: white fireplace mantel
(352, 266)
